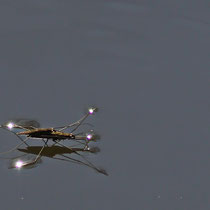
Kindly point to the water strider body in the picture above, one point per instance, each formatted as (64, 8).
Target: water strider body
(47, 133)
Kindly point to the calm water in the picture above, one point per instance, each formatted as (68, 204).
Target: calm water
(145, 65)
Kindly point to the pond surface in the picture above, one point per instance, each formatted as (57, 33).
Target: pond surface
(145, 65)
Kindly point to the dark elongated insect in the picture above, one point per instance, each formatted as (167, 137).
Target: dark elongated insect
(32, 131)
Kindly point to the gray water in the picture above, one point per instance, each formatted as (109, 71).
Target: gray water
(145, 65)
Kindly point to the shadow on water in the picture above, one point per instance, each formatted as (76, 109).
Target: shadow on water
(52, 151)
(29, 158)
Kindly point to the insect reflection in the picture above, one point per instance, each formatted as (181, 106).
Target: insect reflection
(57, 150)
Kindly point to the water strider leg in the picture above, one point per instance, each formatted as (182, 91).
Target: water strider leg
(79, 143)
(15, 147)
(79, 122)
(73, 160)
(21, 139)
(45, 142)
(88, 163)
(15, 135)
(54, 144)
(40, 152)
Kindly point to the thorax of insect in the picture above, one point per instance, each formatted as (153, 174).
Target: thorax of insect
(49, 133)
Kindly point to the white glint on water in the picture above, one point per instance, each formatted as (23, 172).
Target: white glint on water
(10, 125)
(89, 136)
(91, 110)
(18, 164)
